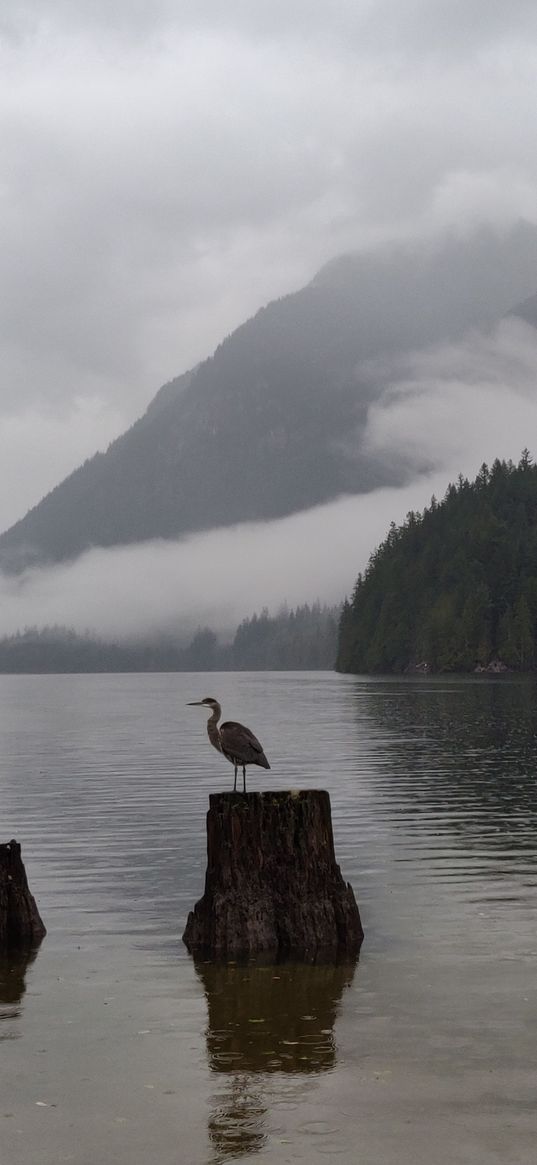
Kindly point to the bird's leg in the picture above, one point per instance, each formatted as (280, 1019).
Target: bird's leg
(244, 778)
(235, 782)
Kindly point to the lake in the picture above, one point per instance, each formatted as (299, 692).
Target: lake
(115, 1047)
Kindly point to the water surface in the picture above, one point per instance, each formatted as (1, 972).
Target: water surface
(116, 1047)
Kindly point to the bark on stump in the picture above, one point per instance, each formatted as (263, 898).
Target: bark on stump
(20, 922)
(272, 884)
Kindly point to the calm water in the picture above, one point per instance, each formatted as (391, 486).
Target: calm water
(116, 1048)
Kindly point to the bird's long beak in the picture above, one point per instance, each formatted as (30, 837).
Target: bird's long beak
(194, 703)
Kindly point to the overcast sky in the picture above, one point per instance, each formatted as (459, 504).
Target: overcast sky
(168, 167)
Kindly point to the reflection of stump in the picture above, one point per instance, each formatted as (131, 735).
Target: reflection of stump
(265, 1018)
(236, 1126)
(13, 968)
(20, 923)
(273, 1018)
(272, 883)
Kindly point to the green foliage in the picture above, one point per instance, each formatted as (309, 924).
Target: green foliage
(304, 639)
(455, 586)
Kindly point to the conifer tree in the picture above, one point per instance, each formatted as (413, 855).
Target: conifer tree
(454, 586)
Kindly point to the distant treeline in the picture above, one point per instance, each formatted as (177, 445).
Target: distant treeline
(301, 639)
(455, 587)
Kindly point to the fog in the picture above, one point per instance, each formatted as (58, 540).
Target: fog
(455, 405)
(461, 404)
(215, 578)
(167, 169)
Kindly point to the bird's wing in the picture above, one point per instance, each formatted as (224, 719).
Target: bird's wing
(237, 735)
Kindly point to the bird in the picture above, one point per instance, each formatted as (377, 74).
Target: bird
(235, 741)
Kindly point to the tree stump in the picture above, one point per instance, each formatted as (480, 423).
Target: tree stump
(20, 923)
(272, 884)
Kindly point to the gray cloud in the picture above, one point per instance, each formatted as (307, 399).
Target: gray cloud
(169, 168)
(460, 404)
(410, 26)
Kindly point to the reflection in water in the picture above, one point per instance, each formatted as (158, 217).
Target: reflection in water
(458, 760)
(263, 1020)
(237, 1124)
(13, 968)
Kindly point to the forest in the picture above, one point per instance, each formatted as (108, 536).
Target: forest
(453, 589)
(301, 639)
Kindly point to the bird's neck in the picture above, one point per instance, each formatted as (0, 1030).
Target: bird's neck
(212, 728)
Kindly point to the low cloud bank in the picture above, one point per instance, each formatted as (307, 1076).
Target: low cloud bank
(454, 406)
(457, 405)
(215, 578)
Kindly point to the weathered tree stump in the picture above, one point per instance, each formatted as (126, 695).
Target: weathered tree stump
(272, 884)
(20, 922)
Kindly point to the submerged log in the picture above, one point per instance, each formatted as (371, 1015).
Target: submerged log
(272, 884)
(20, 923)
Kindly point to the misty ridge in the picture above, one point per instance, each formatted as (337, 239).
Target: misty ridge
(269, 472)
(304, 639)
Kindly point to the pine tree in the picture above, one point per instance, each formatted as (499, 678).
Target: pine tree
(455, 586)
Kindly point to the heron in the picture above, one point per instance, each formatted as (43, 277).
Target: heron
(235, 741)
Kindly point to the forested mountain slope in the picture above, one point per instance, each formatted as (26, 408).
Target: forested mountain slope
(273, 422)
(455, 587)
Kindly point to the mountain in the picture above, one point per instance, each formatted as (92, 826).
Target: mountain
(454, 588)
(273, 422)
